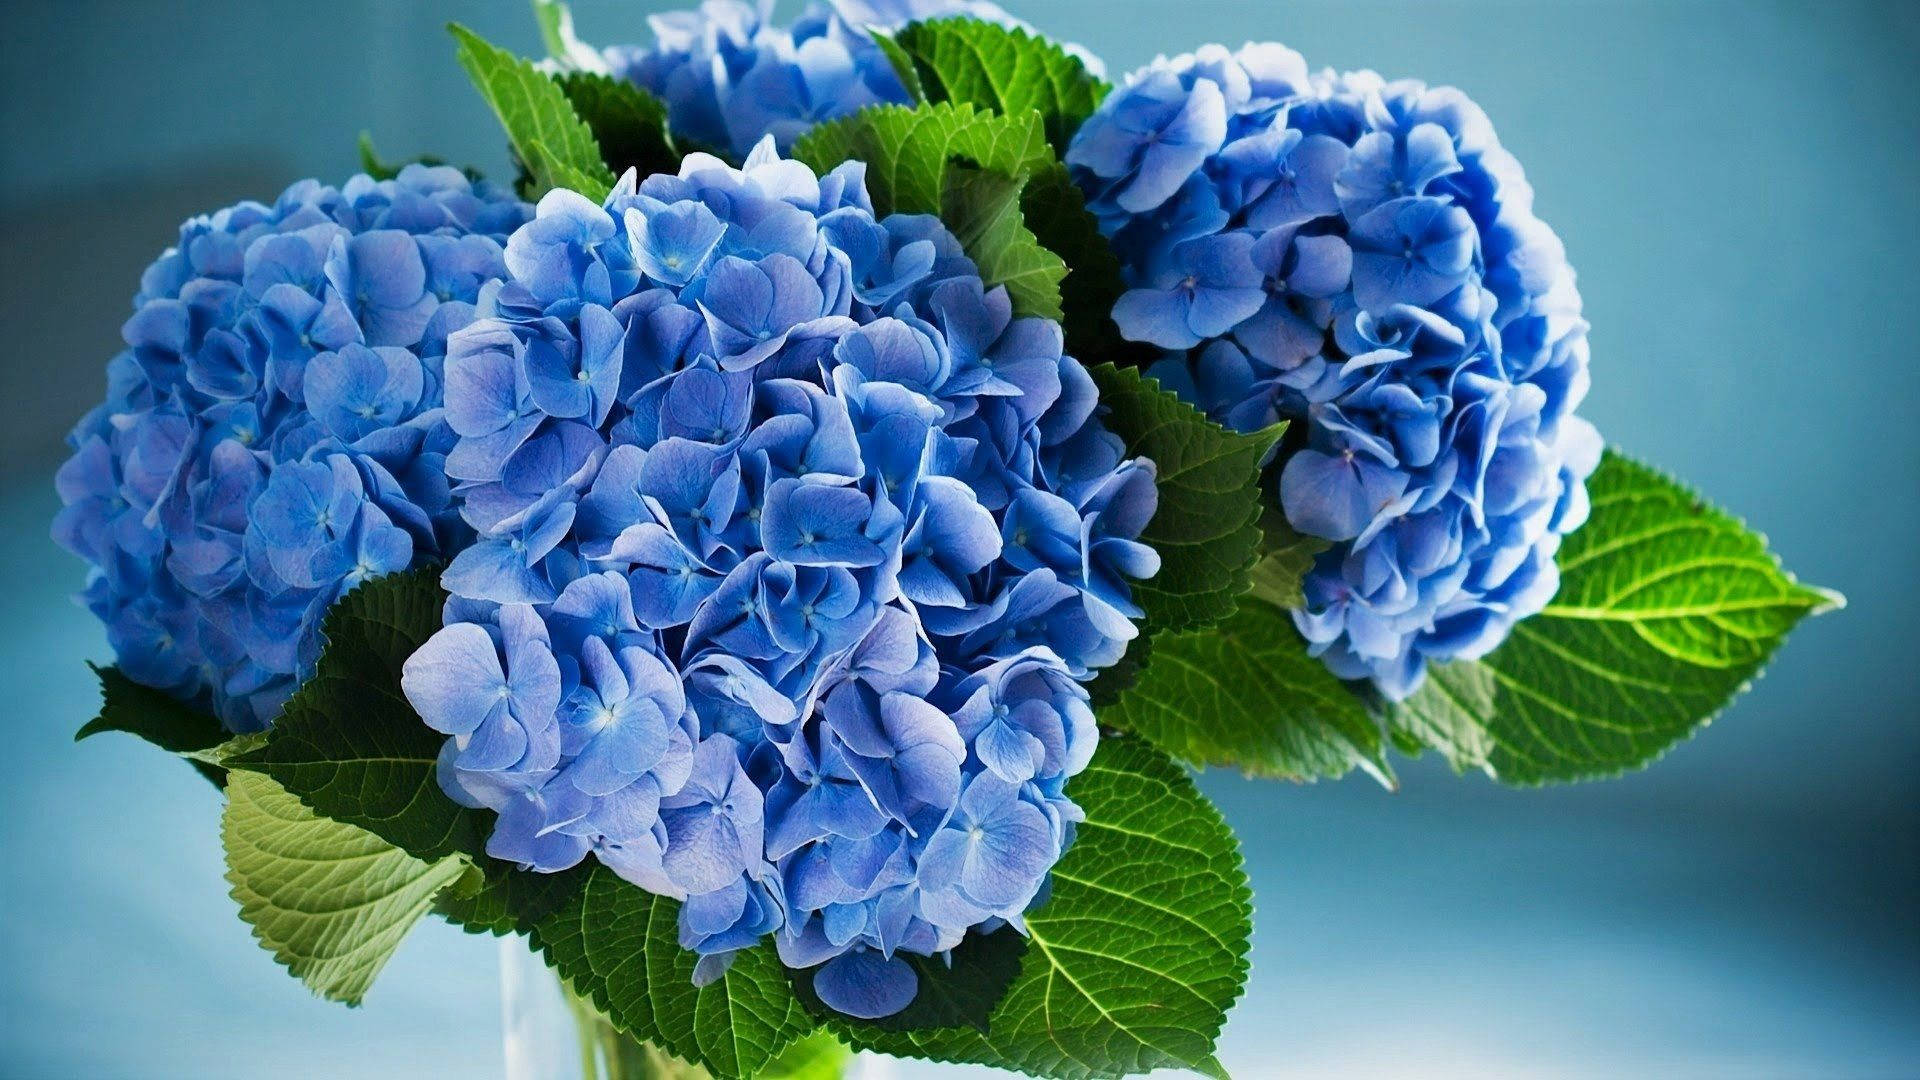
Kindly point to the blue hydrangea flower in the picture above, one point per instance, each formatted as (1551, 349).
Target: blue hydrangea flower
(794, 547)
(1361, 257)
(729, 77)
(273, 433)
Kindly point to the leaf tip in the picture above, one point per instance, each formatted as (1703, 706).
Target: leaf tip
(1212, 1068)
(1825, 599)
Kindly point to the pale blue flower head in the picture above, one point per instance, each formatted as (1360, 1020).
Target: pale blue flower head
(1359, 257)
(272, 434)
(819, 537)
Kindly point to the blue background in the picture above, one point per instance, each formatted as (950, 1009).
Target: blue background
(1735, 181)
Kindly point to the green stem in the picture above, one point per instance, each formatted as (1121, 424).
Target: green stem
(607, 1053)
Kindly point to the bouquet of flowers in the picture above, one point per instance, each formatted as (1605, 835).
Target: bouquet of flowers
(782, 552)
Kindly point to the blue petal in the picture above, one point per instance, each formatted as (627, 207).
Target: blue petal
(866, 985)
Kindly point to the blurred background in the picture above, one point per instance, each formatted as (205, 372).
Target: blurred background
(1736, 183)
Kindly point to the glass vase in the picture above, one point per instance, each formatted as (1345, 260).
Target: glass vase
(552, 1033)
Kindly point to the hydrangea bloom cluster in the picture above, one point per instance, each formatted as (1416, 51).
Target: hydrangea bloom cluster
(272, 434)
(1360, 255)
(729, 76)
(794, 546)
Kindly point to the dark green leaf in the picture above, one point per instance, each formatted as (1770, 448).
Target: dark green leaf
(158, 717)
(1245, 694)
(1141, 950)
(370, 162)
(1207, 529)
(1667, 608)
(1058, 216)
(619, 945)
(1002, 68)
(154, 715)
(349, 744)
(629, 124)
(1108, 683)
(540, 123)
(497, 898)
(959, 993)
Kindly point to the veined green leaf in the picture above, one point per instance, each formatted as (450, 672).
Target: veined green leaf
(1003, 68)
(556, 145)
(982, 207)
(1667, 608)
(939, 159)
(1207, 529)
(329, 900)
(1285, 557)
(619, 946)
(901, 62)
(907, 150)
(1141, 950)
(970, 168)
(818, 1056)
(1246, 695)
(497, 898)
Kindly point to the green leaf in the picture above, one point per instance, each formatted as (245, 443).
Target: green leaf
(349, 744)
(1109, 682)
(1002, 68)
(629, 124)
(330, 901)
(959, 991)
(494, 897)
(542, 162)
(540, 123)
(1446, 714)
(370, 162)
(619, 946)
(1667, 608)
(907, 150)
(556, 33)
(1141, 950)
(1070, 271)
(1285, 557)
(1207, 529)
(1245, 694)
(983, 210)
(819, 1056)
(969, 167)
(158, 717)
(1057, 213)
(902, 63)
(153, 715)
